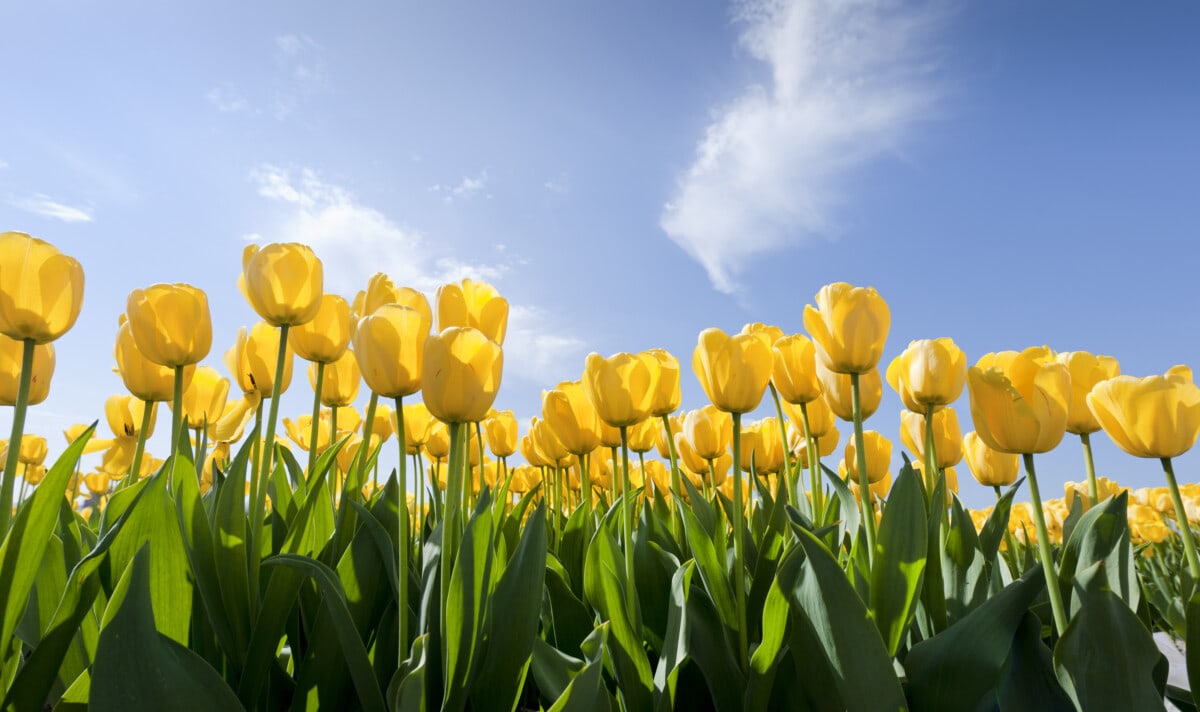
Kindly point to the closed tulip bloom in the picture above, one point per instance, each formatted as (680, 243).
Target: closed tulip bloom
(41, 289)
(991, 468)
(417, 425)
(500, 430)
(794, 370)
(1148, 417)
(530, 452)
(437, 445)
(324, 338)
(733, 370)
(461, 374)
(571, 416)
(339, 382)
(610, 437)
(547, 444)
(826, 445)
(124, 414)
(283, 282)
(947, 436)
(674, 422)
(384, 424)
(204, 398)
(381, 290)
(878, 451)
(10, 371)
(33, 450)
(473, 303)
(390, 347)
(253, 358)
(836, 389)
(709, 431)
(762, 447)
(349, 420)
(1086, 371)
(620, 387)
(667, 396)
(879, 490)
(820, 417)
(642, 436)
(171, 324)
(1019, 401)
(300, 430)
(770, 331)
(848, 326)
(144, 378)
(930, 373)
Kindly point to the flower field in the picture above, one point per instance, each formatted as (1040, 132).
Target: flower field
(618, 552)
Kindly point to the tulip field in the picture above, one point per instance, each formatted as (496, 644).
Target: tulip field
(619, 552)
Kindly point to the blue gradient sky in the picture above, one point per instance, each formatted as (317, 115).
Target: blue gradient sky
(627, 174)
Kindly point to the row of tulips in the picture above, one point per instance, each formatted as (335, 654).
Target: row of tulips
(235, 575)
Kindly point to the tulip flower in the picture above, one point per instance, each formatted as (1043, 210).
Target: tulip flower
(794, 370)
(666, 397)
(253, 361)
(762, 447)
(733, 370)
(127, 418)
(569, 413)
(838, 392)
(929, 374)
(621, 387)
(991, 468)
(461, 374)
(283, 282)
(171, 324)
(878, 457)
(1157, 417)
(642, 436)
(473, 303)
(709, 431)
(381, 290)
(849, 326)
(41, 289)
(204, 399)
(339, 380)
(1086, 371)
(947, 436)
(437, 444)
(325, 337)
(418, 424)
(42, 370)
(390, 346)
(501, 432)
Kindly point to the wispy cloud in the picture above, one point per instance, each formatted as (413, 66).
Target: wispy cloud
(303, 63)
(47, 207)
(557, 186)
(465, 189)
(848, 81)
(227, 100)
(355, 240)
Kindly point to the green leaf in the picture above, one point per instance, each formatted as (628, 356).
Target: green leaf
(958, 667)
(822, 596)
(1102, 534)
(847, 505)
(570, 621)
(608, 592)
(711, 565)
(963, 565)
(899, 563)
(139, 668)
(1106, 659)
(552, 670)
(586, 691)
(229, 552)
(1028, 681)
(1193, 645)
(466, 607)
(993, 530)
(776, 615)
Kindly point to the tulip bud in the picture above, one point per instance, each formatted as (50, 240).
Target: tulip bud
(461, 374)
(762, 447)
(339, 382)
(11, 353)
(1148, 417)
(171, 324)
(381, 290)
(501, 433)
(708, 431)
(642, 435)
(569, 413)
(947, 436)
(621, 387)
(33, 450)
(145, 379)
(437, 445)
(849, 327)
(930, 373)
(1086, 371)
(283, 282)
(1019, 401)
(991, 468)
(839, 394)
(734, 371)
(253, 358)
(325, 337)
(475, 304)
(667, 395)
(878, 451)
(390, 346)
(41, 289)
(794, 369)
(204, 399)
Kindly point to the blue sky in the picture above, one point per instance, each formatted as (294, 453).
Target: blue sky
(627, 174)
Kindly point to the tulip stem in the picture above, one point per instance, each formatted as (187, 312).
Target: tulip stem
(201, 451)
(450, 527)
(627, 523)
(1093, 486)
(360, 474)
(864, 487)
(140, 448)
(739, 554)
(794, 484)
(935, 474)
(1181, 518)
(403, 547)
(814, 468)
(268, 455)
(676, 482)
(177, 420)
(1044, 551)
(314, 429)
(14, 440)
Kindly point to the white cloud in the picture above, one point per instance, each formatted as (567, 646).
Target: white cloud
(556, 187)
(227, 100)
(303, 62)
(48, 208)
(465, 189)
(848, 80)
(538, 354)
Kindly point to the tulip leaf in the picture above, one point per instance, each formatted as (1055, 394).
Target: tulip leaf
(958, 667)
(572, 548)
(711, 565)
(699, 506)
(513, 622)
(898, 567)
(586, 691)
(771, 547)
(1193, 645)
(1028, 681)
(466, 606)
(165, 672)
(847, 505)
(570, 621)
(608, 591)
(849, 642)
(994, 529)
(1106, 658)
(1102, 534)
(229, 552)
(776, 616)
(963, 565)
(552, 670)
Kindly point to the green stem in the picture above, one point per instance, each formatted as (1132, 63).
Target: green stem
(935, 475)
(479, 442)
(627, 524)
(451, 532)
(14, 440)
(1185, 529)
(1093, 485)
(404, 544)
(585, 485)
(176, 414)
(202, 452)
(140, 448)
(739, 554)
(314, 430)
(1044, 551)
(260, 500)
(364, 453)
(792, 482)
(814, 467)
(676, 482)
(864, 487)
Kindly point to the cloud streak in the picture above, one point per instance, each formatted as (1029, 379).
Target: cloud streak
(46, 207)
(848, 80)
(465, 189)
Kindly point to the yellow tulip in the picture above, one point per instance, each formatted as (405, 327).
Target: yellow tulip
(339, 382)
(820, 417)
(708, 431)
(283, 282)
(461, 374)
(234, 419)
(124, 414)
(826, 444)
(762, 447)
(642, 436)
(1105, 488)
(1086, 371)
(569, 413)
(171, 323)
(300, 432)
(879, 490)
(947, 436)
(661, 442)
(252, 360)
(349, 420)
(10, 371)
(794, 370)
(878, 454)
(417, 424)
(1019, 401)
(381, 290)
(667, 395)
(546, 443)
(836, 389)
(384, 424)
(473, 303)
(73, 433)
(610, 437)
(733, 370)
(530, 452)
(34, 474)
(33, 450)
(97, 482)
(437, 445)
(848, 326)
(621, 387)
(991, 468)
(390, 346)
(204, 399)
(930, 373)
(500, 430)
(1148, 417)
(41, 289)
(325, 337)
(144, 378)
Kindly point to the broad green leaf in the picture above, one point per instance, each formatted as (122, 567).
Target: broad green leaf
(586, 691)
(138, 668)
(1193, 645)
(552, 670)
(899, 563)
(963, 565)
(1028, 681)
(776, 615)
(847, 504)
(466, 607)
(711, 564)
(1102, 534)
(570, 620)
(230, 555)
(608, 592)
(994, 529)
